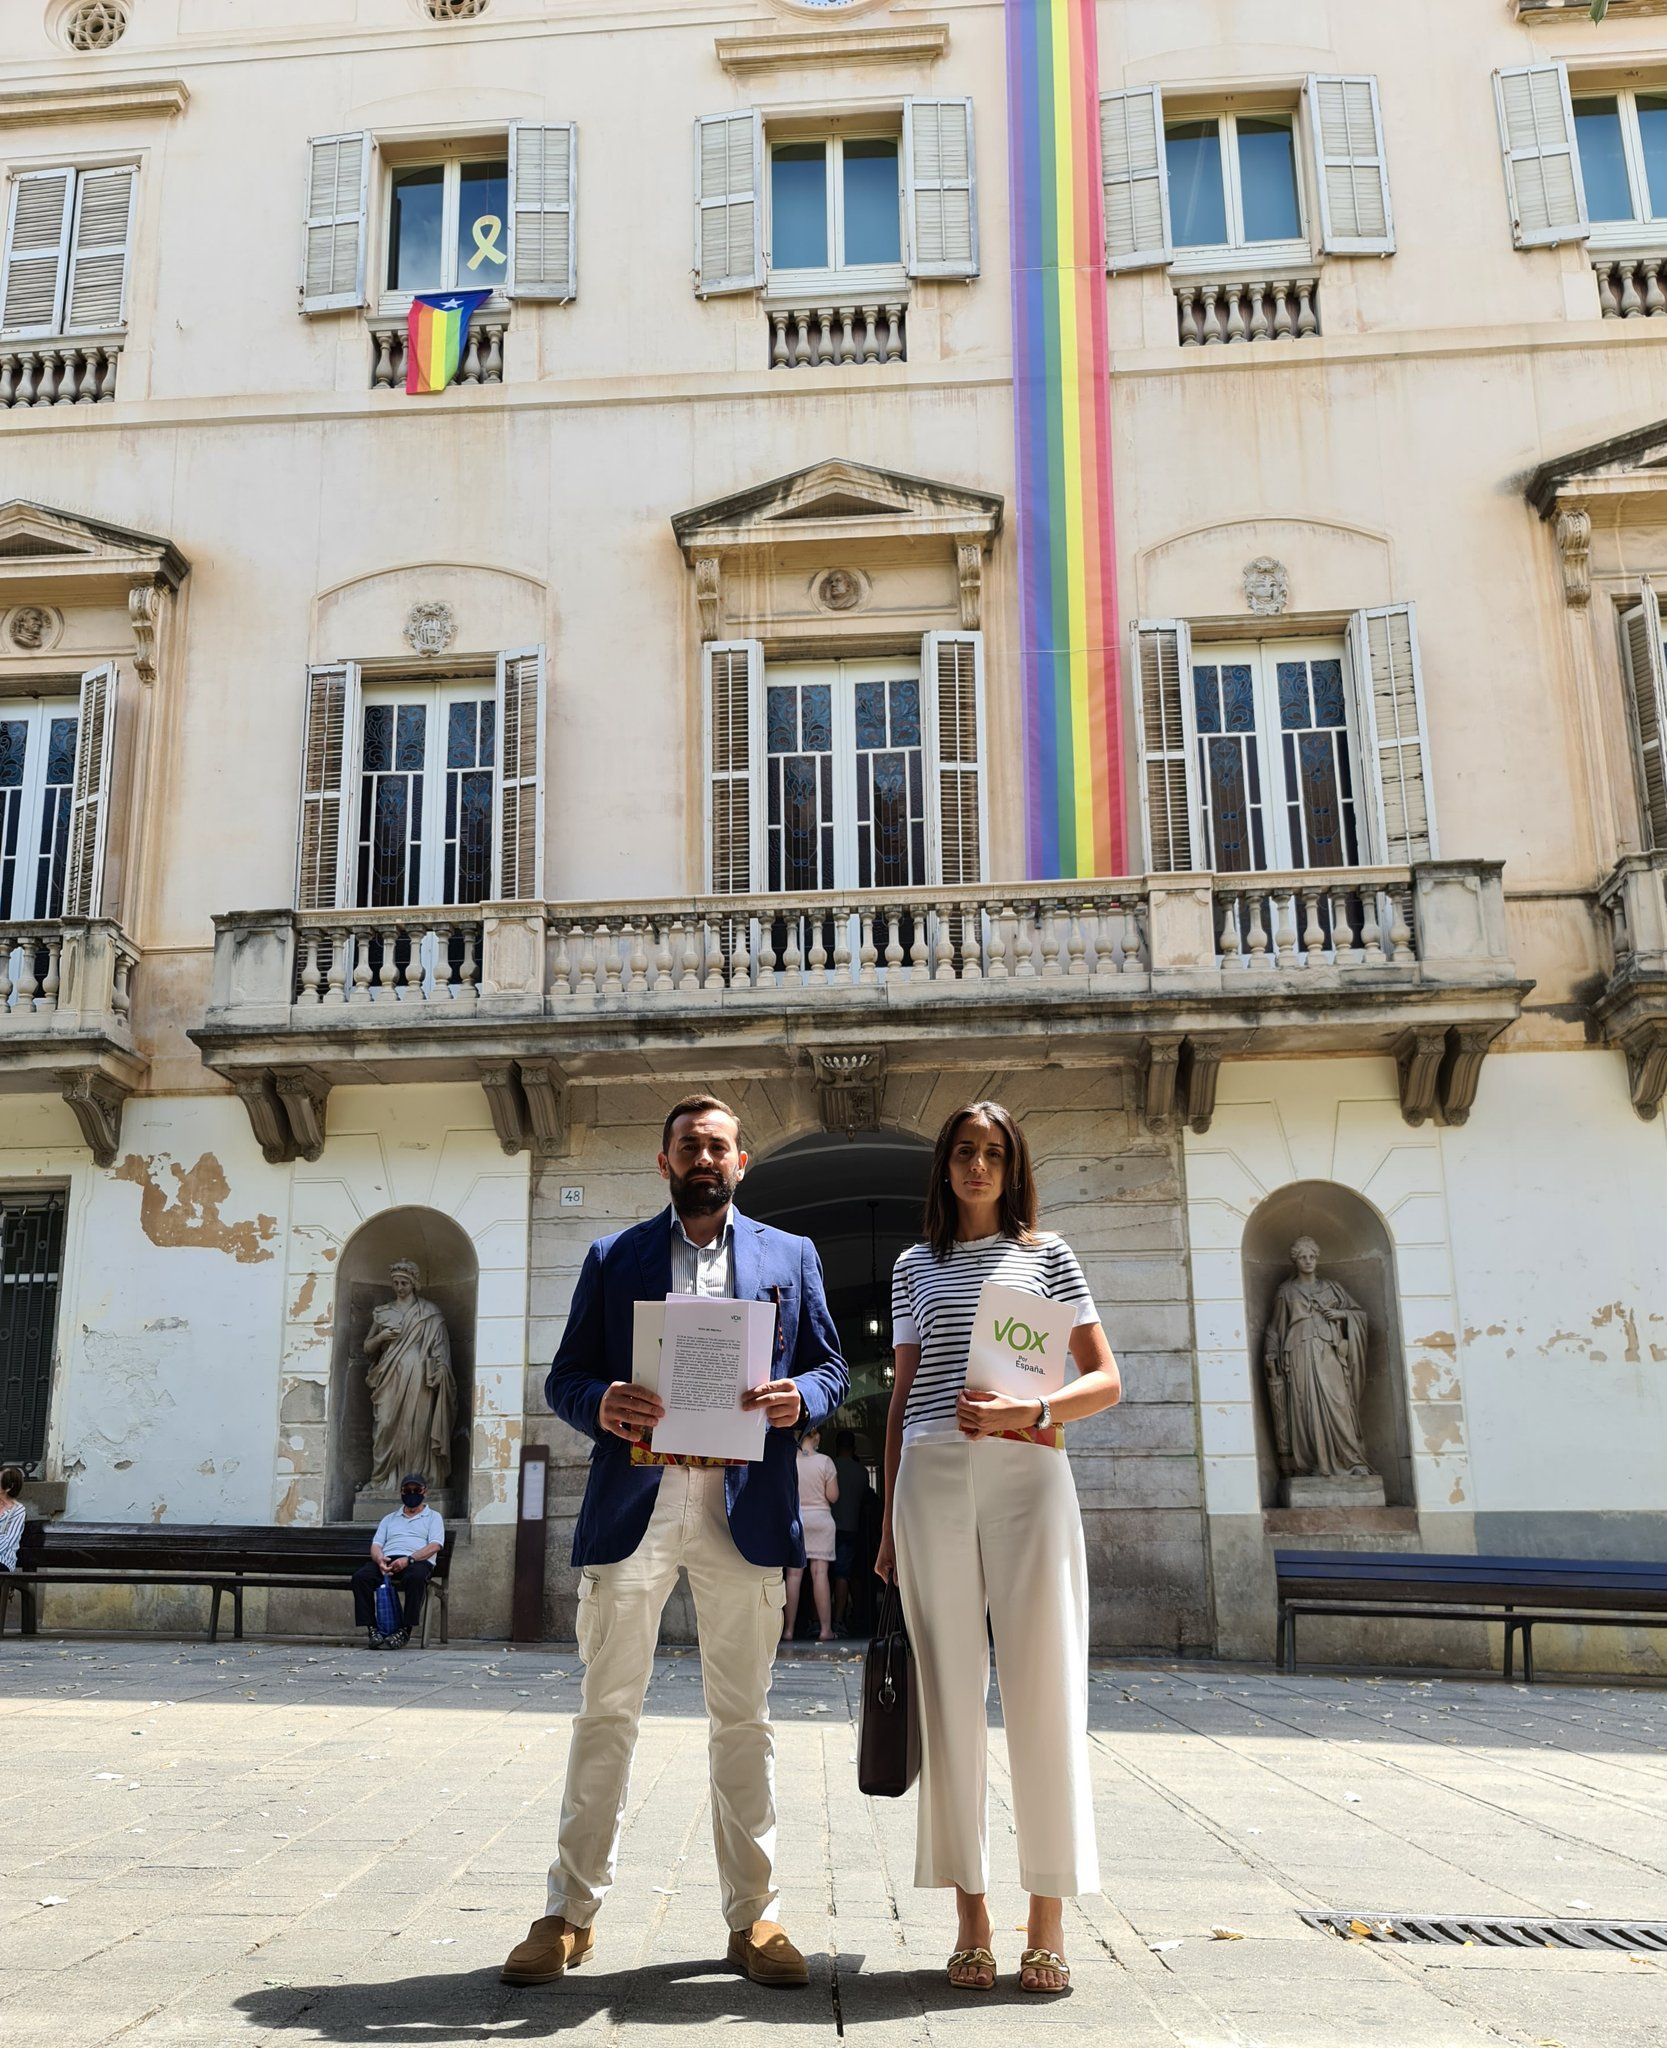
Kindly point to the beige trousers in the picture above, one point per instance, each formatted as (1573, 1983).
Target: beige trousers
(738, 1608)
(994, 1527)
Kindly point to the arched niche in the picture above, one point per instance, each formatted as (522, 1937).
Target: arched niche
(1356, 1252)
(450, 1279)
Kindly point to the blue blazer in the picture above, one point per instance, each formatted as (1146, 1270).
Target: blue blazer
(595, 1350)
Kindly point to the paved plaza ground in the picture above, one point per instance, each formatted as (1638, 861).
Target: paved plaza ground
(291, 1844)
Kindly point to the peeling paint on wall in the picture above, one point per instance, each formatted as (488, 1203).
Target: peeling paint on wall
(193, 1216)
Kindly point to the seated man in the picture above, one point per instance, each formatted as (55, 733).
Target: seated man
(402, 1551)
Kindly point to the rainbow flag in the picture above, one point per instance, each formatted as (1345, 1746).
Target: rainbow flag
(1074, 798)
(435, 330)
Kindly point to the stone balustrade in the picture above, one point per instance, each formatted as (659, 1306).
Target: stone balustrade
(382, 957)
(63, 975)
(1630, 287)
(805, 337)
(483, 353)
(1297, 922)
(1632, 905)
(80, 372)
(1213, 312)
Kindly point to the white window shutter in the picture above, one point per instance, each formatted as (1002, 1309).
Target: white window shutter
(1542, 165)
(940, 194)
(1351, 172)
(329, 768)
(518, 850)
(1389, 696)
(97, 299)
(543, 176)
(338, 201)
(952, 726)
(729, 216)
(1134, 172)
(37, 251)
(1166, 732)
(734, 689)
(1646, 676)
(89, 816)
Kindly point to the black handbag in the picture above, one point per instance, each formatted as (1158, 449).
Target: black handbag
(888, 1732)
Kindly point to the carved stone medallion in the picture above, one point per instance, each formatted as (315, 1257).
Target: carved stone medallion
(33, 628)
(432, 627)
(1267, 586)
(838, 590)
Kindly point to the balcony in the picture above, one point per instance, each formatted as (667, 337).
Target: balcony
(483, 353)
(66, 995)
(79, 372)
(1632, 1010)
(1213, 312)
(810, 337)
(1168, 974)
(1631, 287)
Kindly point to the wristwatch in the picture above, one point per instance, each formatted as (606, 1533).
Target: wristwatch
(1045, 1419)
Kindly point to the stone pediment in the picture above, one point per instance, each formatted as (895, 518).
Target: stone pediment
(1631, 465)
(67, 549)
(838, 500)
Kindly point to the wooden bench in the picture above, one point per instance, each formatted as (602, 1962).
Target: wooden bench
(1521, 1592)
(226, 1558)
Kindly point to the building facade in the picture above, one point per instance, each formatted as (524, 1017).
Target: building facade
(406, 797)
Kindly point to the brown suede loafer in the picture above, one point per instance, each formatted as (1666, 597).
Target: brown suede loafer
(764, 1952)
(551, 1949)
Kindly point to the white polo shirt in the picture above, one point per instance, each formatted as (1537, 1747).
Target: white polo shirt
(402, 1535)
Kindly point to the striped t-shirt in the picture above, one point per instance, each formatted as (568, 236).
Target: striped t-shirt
(933, 1303)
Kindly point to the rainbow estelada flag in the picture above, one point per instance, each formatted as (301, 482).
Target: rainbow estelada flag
(436, 328)
(1067, 570)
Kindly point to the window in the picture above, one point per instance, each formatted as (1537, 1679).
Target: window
(1644, 661)
(448, 225)
(31, 1254)
(845, 801)
(835, 204)
(425, 795)
(1233, 181)
(1622, 139)
(67, 235)
(37, 778)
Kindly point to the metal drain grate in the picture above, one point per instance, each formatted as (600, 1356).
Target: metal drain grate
(1633, 1937)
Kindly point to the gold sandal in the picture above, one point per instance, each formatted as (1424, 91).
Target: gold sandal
(974, 1959)
(1044, 1959)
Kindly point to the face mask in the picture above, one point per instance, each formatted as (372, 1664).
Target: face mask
(411, 1497)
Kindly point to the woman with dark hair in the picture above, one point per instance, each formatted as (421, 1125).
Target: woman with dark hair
(11, 1515)
(982, 1520)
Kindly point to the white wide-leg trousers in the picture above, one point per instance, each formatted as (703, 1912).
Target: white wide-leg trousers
(994, 1526)
(738, 1608)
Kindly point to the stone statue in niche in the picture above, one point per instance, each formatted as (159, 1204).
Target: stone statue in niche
(413, 1392)
(1314, 1355)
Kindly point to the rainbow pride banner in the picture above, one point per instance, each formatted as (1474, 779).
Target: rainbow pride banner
(435, 330)
(1062, 424)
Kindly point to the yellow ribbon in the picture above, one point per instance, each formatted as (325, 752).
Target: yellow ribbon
(486, 231)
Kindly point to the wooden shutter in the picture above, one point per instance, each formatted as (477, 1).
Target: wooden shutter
(939, 191)
(729, 221)
(338, 198)
(952, 726)
(329, 762)
(734, 681)
(1168, 740)
(95, 737)
(1389, 693)
(1542, 166)
(543, 172)
(1134, 171)
(1646, 676)
(518, 852)
(97, 298)
(37, 251)
(1345, 127)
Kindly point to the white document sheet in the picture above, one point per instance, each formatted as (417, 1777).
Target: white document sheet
(700, 1354)
(1020, 1342)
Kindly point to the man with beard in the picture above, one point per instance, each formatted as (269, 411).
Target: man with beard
(730, 1527)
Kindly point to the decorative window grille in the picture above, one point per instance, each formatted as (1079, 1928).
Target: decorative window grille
(95, 25)
(31, 1252)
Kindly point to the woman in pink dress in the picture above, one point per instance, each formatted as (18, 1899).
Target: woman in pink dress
(818, 1490)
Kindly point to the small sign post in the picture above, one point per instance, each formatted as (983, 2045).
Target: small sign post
(526, 1613)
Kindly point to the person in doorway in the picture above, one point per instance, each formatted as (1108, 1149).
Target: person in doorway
(818, 1491)
(984, 1536)
(402, 1551)
(852, 1475)
(731, 1528)
(11, 1515)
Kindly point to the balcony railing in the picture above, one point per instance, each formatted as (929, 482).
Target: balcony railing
(80, 372)
(483, 353)
(64, 975)
(807, 337)
(1282, 923)
(1217, 311)
(1631, 287)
